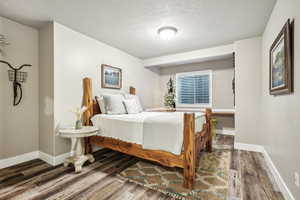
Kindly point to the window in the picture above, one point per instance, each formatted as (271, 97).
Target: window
(194, 89)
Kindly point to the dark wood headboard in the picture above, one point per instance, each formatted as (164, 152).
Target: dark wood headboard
(91, 103)
(96, 108)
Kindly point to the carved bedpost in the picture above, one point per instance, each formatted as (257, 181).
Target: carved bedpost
(189, 160)
(209, 144)
(88, 102)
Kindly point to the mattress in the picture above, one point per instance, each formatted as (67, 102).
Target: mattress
(152, 130)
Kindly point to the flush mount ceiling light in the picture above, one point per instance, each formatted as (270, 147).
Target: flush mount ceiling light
(167, 32)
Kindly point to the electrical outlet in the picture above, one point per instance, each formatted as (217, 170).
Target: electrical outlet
(297, 181)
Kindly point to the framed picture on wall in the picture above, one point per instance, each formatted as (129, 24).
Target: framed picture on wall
(111, 77)
(281, 62)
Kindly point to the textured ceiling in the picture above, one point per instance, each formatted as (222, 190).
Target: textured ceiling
(131, 25)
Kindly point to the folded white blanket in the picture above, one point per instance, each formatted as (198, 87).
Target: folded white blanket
(153, 130)
(166, 131)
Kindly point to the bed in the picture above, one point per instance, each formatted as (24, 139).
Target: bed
(146, 129)
(171, 139)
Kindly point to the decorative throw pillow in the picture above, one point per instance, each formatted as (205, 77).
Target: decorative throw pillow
(101, 104)
(114, 104)
(131, 106)
(136, 98)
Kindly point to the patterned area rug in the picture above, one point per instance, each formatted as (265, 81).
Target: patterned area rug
(211, 182)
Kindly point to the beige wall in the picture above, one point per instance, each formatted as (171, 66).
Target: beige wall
(20, 131)
(46, 89)
(271, 121)
(2, 87)
(223, 73)
(248, 90)
(77, 56)
(280, 114)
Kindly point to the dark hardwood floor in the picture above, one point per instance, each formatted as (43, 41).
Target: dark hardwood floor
(250, 179)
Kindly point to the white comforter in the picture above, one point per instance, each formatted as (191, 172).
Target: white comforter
(153, 130)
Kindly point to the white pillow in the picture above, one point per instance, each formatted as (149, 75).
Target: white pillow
(101, 104)
(131, 106)
(114, 104)
(136, 98)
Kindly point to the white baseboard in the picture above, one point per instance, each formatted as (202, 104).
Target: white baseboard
(7, 162)
(52, 160)
(226, 132)
(46, 157)
(249, 147)
(61, 158)
(279, 180)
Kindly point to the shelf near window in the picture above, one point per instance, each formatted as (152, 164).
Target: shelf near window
(215, 112)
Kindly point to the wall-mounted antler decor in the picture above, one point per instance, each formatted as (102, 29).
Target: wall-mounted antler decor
(17, 77)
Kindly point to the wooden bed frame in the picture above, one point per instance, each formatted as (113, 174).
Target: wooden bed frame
(193, 142)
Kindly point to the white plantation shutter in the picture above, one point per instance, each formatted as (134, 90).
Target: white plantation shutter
(194, 88)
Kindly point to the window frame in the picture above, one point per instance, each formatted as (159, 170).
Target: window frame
(195, 73)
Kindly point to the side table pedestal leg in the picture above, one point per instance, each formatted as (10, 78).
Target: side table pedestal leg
(90, 158)
(78, 159)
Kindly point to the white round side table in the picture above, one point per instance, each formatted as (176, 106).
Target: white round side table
(77, 139)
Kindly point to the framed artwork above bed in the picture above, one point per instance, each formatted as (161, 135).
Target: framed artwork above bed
(281, 61)
(111, 77)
